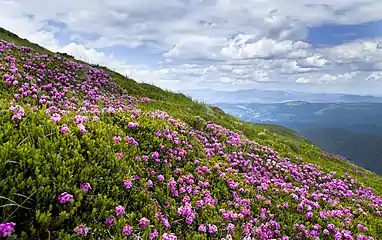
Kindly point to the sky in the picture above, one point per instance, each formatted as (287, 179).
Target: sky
(300, 45)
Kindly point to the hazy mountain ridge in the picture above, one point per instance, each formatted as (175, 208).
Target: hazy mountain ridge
(350, 129)
(269, 96)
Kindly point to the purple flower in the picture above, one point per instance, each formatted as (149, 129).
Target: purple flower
(117, 139)
(160, 178)
(309, 215)
(85, 186)
(158, 133)
(64, 129)
(7, 229)
(127, 183)
(119, 155)
(144, 222)
(82, 128)
(133, 125)
(362, 227)
(212, 228)
(109, 221)
(149, 183)
(81, 230)
(230, 228)
(64, 198)
(202, 228)
(55, 118)
(169, 236)
(119, 210)
(127, 230)
(154, 234)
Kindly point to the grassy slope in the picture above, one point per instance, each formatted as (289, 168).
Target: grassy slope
(282, 139)
(285, 141)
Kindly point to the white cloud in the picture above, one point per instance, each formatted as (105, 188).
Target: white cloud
(375, 76)
(365, 50)
(339, 77)
(303, 80)
(313, 61)
(226, 42)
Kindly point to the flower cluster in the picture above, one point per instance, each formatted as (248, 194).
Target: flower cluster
(64, 198)
(7, 229)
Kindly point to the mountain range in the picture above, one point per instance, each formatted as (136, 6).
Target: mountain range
(276, 96)
(352, 129)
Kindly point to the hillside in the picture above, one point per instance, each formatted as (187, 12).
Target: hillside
(88, 153)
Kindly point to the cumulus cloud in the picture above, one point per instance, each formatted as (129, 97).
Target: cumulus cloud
(303, 80)
(205, 43)
(339, 77)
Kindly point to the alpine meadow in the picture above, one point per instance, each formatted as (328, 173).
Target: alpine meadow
(86, 153)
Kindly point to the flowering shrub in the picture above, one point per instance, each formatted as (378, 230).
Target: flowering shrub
(82, 158)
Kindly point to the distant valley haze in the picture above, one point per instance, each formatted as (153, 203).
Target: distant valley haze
(346, 124)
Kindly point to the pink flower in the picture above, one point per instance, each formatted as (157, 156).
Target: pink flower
(149, 183)
(7, 229)
(169, 236)
(154, 234)
(127, 183)
(81, 128)
(133, 125)
(144, 222)
(127, 230)
(117, 139)
(212, 228)
(230, 228)
(119, 210)
(119, 155)
(81, 230)
(202, 228)
(109, 221)
(158, 133)
(55, 118)
(64, 129)
(64, 198)
(362, 227)
(160, 178)
(85, 186)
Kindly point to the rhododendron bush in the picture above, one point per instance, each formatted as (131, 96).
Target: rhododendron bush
(81, 158)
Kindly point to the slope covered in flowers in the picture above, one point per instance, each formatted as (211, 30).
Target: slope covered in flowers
(84, 157)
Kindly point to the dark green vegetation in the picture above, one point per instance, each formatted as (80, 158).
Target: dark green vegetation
(40, 159)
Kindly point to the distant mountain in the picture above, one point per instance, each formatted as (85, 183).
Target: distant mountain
(353, 130)
(362, 118)
(268, 96)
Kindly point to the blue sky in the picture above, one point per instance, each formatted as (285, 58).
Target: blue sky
(335, 34)
(328, 46)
